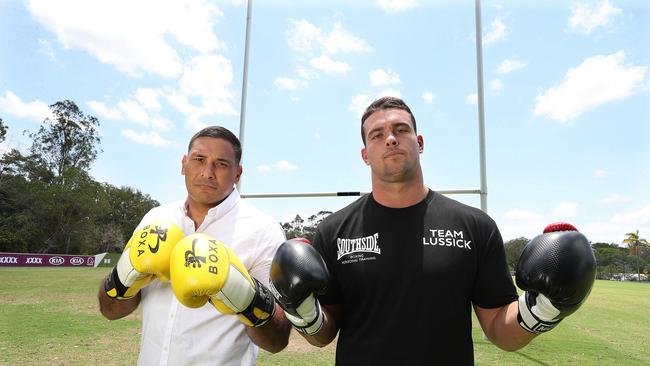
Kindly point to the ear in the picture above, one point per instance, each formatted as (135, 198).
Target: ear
(364, 156)
(421, 143)
(183, 161)
(240, 170)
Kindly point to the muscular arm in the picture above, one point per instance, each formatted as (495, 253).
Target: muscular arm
(501, 327)
(113, 309)
(331, 326)
(274, 335)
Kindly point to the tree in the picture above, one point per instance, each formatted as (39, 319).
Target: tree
(297, 228)
(634, 243)
(70, 140)
(513, 250)
(3, 131)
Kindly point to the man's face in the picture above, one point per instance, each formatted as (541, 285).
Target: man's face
(210, 171)
(392, 147)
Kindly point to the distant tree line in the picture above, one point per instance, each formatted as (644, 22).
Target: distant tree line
(612, 259)
(299, 228)
(48, 201)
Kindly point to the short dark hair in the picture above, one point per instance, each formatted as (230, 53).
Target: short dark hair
(219, 132)
(385, 103)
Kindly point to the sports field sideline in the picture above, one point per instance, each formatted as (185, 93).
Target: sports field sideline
(49, 316)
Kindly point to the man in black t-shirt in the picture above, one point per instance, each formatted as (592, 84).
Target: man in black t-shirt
(406, 265)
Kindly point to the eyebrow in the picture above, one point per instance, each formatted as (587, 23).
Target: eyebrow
(198, 154)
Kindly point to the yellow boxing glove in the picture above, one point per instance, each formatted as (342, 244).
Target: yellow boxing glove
(203, 269)
(145, 257)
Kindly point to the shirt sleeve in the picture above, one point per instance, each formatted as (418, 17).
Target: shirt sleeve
(270, 238)
(493, 286)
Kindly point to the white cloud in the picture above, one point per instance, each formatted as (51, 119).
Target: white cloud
(615, 198)
(151, 138)
(133, 112)
(509, 65)
(428, 97)
(303, 36)
(517, 223)
(132, 36)
(317, 46)
(204, 90)
(208, 77)
(148, 98)
(599, 79)
(36, 110)
(45, 47)
(102, 110)
(472, 98)
(289, 84)
(497, 31)
(263, 168)
(341, 41)
(381, 77)
(586, 18)
(326, 64)
(565, 210)
(614, 229)
(279, 166)
(394, 6)
(639, 219)
(496, 85)
(360, 102)
(601, 173)
(529, 224)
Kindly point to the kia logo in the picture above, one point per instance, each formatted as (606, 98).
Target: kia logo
(75, 261)
(56, 261)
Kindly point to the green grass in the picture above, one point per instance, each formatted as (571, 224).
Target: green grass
(50, 316)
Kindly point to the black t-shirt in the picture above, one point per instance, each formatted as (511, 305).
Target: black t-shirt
(406, 279)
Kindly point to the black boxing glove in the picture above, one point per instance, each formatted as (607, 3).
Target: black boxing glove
(556, 270)
(297, 273)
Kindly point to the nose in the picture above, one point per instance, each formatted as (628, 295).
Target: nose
(391, 140)
(207, 171)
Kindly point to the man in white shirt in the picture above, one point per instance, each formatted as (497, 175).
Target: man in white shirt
(173, 334)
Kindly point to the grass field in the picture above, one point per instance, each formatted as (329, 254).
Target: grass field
(50, 316)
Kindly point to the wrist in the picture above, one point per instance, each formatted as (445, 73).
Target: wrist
(535, 313)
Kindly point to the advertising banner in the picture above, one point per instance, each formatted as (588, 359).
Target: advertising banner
(43, 260)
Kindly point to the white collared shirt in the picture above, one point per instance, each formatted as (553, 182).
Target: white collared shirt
(173, 334)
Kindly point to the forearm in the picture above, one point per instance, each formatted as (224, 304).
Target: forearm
(274, 335)
(502, 327)
(113, 309)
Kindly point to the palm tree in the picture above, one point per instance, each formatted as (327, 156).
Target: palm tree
(633, 241)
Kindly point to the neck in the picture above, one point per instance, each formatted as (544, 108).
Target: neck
(399, 194)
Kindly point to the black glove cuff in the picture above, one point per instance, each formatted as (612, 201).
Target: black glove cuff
(262, 308)
(528, 320)
(113, 286)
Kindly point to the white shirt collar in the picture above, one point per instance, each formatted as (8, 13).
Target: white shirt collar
(222, 208)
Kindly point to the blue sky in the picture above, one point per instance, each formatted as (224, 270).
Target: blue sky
(567, 88)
